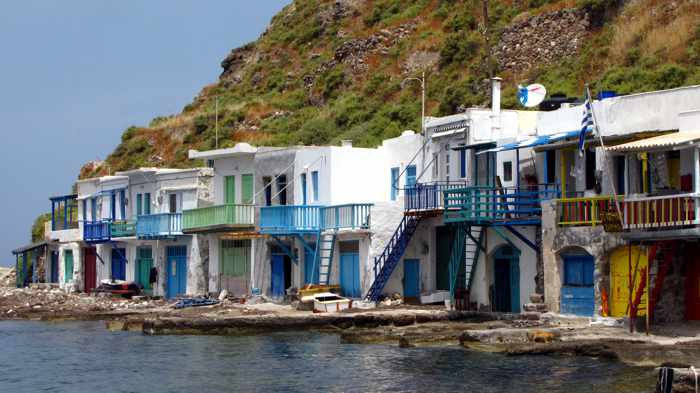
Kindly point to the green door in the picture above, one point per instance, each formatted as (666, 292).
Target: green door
(235, 258)
(230, 190)
(68, 259)
(144, 263)
(247, 188)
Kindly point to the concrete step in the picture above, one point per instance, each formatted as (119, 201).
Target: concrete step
(537, 298)
(535, 307)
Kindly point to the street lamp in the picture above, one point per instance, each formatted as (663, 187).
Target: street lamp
(420, 80)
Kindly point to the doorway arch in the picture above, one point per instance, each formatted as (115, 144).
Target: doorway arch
(506, 279)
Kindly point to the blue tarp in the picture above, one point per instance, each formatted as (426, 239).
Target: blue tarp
(535, 141)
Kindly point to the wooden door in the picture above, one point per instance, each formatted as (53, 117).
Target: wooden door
(411, 279)
(144, 264)
(577, 293)
(118, 264)
(90, 269)
(68, 268)
(230, 190)
(177, 271)
(235, 258)
(277, 288)
(620, 280)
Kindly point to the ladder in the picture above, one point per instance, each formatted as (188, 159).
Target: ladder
(324, 256)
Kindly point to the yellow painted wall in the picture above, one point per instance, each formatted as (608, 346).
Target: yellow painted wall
(619, 280)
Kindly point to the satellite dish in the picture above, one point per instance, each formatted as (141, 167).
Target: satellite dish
(531, 95)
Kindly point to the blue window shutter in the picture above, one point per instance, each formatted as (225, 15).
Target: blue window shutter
(411, 176)
(303, 188)
(314, 184)
(84, 209)
(93, 206)
(147, 203)
(122, 204)
(462, 163)
(394, 183)
(113, 205)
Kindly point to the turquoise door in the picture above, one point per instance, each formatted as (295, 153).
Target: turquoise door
(506, 282)
(411, 278)
(277, 288)
(177, 271)
(350, 274)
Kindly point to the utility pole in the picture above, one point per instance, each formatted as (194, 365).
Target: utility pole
(216, 121)
(422, 82)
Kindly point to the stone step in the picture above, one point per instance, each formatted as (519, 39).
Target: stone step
(537, 298)
(535, 307)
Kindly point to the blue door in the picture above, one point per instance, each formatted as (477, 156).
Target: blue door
(577, 293)
(410, 176)
(350, 274)
(277, 286)
(118, 264)
(411, 278)
(311, 274)
(177, 271)
(54, 266)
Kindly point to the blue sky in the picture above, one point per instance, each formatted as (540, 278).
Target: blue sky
(75, 74)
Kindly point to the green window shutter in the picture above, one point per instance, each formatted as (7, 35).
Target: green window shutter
(139, 204)
(230, 190)
(147, 203)
(247, 186)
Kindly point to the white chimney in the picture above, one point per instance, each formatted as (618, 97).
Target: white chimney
(346, 143)
(496, 106)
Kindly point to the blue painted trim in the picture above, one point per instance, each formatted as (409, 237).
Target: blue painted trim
(286, 249)
(523, 238)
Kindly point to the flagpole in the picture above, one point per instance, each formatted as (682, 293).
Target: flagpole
(605, 152)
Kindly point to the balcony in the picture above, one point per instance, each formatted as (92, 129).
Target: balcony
(429, 196)
(585, 211)
(154, 226)
(656, 213)
(308, 219)
(64, 213)
(488, 205)
(123, 229)
(96, 231)
(218, 218)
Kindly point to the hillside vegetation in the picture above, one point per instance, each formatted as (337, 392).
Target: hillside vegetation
(329, 70)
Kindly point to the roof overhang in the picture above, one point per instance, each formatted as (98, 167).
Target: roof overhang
(672, 141)
(240, 149)
(31, 247)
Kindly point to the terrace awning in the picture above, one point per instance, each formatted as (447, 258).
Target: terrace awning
(534, 141)
(661, 142)
(448, 132)
(30, 247)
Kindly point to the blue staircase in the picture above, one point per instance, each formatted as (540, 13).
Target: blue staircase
(385, 263)
(324, 256)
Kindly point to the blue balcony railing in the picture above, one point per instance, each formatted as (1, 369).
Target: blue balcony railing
(96, 231)
(300, 219)
(159, 225)
(429, 196)
(498, 205)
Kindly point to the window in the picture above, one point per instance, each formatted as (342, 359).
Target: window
(303, 188)
(314, 185)
(507, 171)
(436, 168)
(394, 183)
(551, 173)
(122, 204)
(113, 206)
(590, 169)
(620, 173)
(147, 203)
(463, 163)
(172, 205)
(282, 189)
(210, 163)
(410, 176)
(267, 180)
(139, 204)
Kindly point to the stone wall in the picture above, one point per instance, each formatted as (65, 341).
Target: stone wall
(670, 306)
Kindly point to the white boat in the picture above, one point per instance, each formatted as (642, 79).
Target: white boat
(330, 302)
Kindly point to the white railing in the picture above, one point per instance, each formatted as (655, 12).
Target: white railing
(668, 211)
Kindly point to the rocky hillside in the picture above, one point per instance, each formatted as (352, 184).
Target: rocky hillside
(326, 70)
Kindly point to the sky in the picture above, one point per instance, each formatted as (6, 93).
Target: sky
(74, 74)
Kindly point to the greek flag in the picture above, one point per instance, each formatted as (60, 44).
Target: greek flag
(586, 122)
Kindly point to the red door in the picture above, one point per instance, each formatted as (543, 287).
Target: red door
(90, 269)
(692, 283)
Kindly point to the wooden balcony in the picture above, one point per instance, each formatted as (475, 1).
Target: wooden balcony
(488, 205)
(292, 219)
(123, 229)
(428, 196)
(96, 231)
(155, 226)
(666, 212)
(218, 218)
(585, 211)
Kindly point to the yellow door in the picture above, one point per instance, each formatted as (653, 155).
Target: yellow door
(619, 280)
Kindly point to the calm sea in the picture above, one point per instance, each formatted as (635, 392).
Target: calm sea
(84, 357)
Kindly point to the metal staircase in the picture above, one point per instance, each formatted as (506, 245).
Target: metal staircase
(467, 246)
(324, 256)
(385, 263)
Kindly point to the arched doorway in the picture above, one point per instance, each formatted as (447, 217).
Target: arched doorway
(577, 291)
(506, 279)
